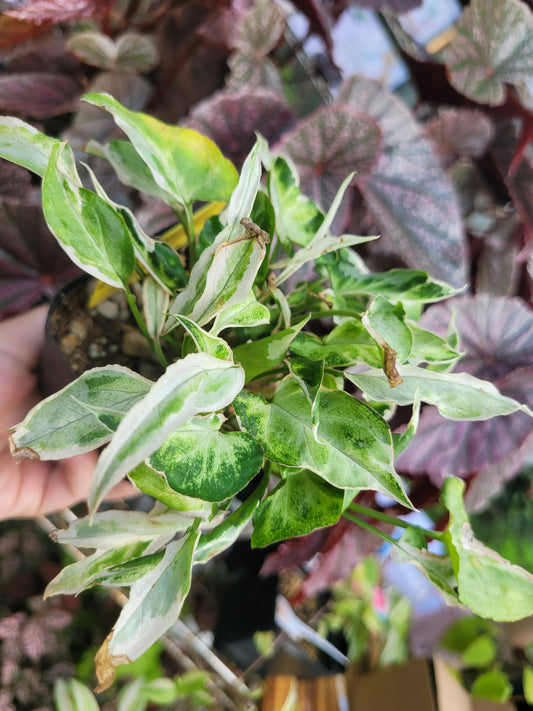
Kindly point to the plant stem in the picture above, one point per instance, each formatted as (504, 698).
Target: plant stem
(380, 516)
(186, 218)
(156, 347)
(333, 312)
(369, 527)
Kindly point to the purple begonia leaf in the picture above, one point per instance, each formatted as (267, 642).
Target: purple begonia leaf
(231, 119)
(93, 123)
(32, 264)
(460, 132)
(495, 333)
(15, 181)
(261, 29)
(519, 182)
(492, 48)
(326, 147)
(39, 11)
(408, 193)
(38, 94)
(248, 72)
(442, 448)
(396, 5)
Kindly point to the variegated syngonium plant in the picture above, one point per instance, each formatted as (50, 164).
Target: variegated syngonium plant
(252, 397)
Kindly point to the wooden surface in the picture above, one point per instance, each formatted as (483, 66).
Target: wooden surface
(287, 693)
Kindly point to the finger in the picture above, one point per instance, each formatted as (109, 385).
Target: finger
(22, 337)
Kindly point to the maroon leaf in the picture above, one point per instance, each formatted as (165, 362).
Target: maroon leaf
(231, 119)
(326, 147)
(460, 132)
(409, 195)
(32, 264)
(14, 180)
(39, 95)
(39, 11)
(14, 32)
(248, 72)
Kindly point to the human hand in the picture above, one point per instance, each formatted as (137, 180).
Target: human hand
(29, 487)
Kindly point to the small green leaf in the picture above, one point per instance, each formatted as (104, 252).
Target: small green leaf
(493, 686)
(429, 348)
(301, 503)
(184, 164)
(388, 321)
(90, 230)
(458, 396)
(353, 449)
(80, 417)
(155, 306)
(199, 460)
(248, 313)
(488, 584)
(480, 652)
(197, 383)
(527, 684)
(204, 341)
(461, 633)
(259, 356)
(348, 277)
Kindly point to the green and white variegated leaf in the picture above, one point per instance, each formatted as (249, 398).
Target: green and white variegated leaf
(259, 356)
(385, 322)
(72, 695)
(429, 348)
(488, 584)
(80, 417)
(160, 260)
(349, 277)
(298, 218)
(240, 205)
(346, 344)
(322, 243)
(199, 383)
(90, 230)
(354, 447)
(114, 529)
(154, 605)
(127, 573)
(155, 484)
(185, 164)
(129, 167)
(458, 396)
(301, 503)
(204, 342)
(411, 548)
(87, 572)
(230, 277)
(402, 439)
(247, 314)
(155, 306)
(24, 145)
(310, 375)
(199, 460)
(216, 540)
